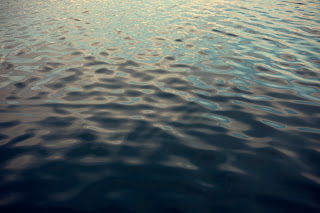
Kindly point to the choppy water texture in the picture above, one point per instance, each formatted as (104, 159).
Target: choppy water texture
(160, 106)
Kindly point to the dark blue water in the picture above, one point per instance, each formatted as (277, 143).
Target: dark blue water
(160, 106)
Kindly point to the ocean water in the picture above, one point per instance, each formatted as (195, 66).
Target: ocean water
(178, 106)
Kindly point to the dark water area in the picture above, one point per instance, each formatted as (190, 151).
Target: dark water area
(175, 106)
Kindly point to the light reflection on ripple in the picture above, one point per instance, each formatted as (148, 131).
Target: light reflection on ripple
(194, 105)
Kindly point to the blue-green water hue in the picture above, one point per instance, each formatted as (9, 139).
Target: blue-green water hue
(160, 106)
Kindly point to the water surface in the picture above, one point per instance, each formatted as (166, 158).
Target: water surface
(160, 106)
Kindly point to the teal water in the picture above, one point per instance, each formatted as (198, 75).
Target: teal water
(159, 106)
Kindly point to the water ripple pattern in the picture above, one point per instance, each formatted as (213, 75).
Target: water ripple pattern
(160, 106)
